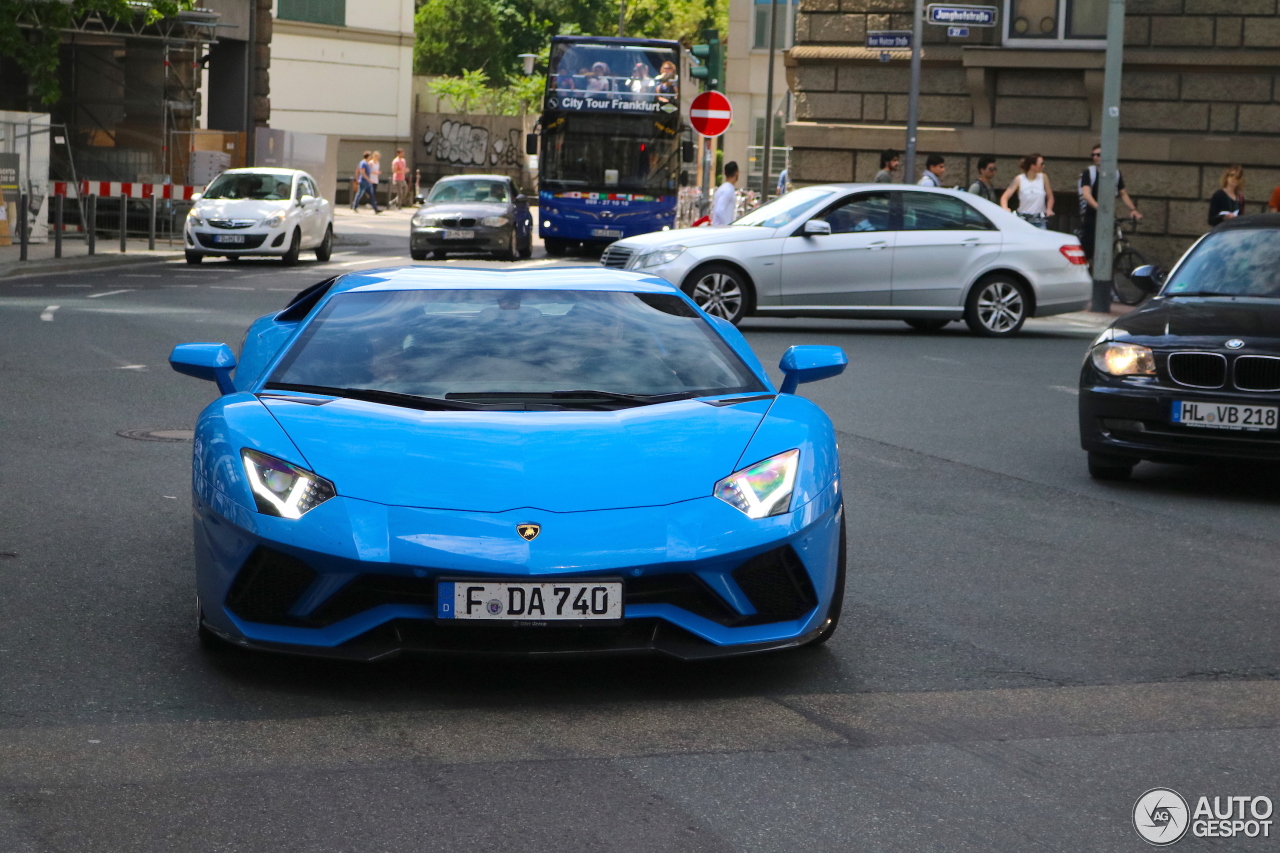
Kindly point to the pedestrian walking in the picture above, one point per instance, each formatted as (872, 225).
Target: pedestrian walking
(1087, 188)
(934, 168)
(784, 181)
(399, 182)
(375, 175)
(1228, 202)
(724, 204)
(888, 165)
(982, 187)
(364, 173)
(1035, 195)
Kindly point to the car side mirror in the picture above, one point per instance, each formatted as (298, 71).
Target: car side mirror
(306, 199)
(1149, 278)
(531, 143)
(816, 226)
(212, 362)
(686, 150)
(809, 363)
(197, 196)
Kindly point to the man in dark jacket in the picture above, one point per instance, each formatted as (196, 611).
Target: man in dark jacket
(1088, 189)
(986, 174)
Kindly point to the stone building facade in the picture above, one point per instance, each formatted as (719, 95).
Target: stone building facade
(1201, 91)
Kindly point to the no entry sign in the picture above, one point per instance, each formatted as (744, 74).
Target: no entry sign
(710, 113)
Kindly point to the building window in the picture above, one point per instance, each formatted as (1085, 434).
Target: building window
(786, 20)
(315, 11)
(1055, 23)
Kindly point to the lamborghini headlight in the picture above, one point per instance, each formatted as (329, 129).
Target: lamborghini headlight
(275, 220)
(762, 489)
(494, 221)
(657, 257)
(1120, 359)
(282, 489)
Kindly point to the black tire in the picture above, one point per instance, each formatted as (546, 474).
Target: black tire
(418, 254)
(526, 251)
(837, 594)
(1122, 287)
(194, 257)
(325, 250)
(720, 290)
(513, 248)
(233, 259)
(927, 325)
(556, 247)
(997, 306)
(439, 255)
(1113, 468)
(290, 258)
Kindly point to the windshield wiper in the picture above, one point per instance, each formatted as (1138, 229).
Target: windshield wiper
(390, 398)
(562, 397)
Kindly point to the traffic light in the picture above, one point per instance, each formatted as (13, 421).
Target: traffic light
(711, 55)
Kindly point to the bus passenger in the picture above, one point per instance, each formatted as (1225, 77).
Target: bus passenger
(667, 83)
(640, 83)
(599, 79)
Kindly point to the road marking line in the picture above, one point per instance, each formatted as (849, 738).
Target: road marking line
(227, 287)
(132, 367)
(140, 275)
(47, 314)
(1066, 389)
(73, 285)
(109, 293)
(282, 290)
(168, 286)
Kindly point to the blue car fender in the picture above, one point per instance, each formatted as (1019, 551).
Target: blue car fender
(797, 423)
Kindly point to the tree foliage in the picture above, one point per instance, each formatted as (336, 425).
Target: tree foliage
(472, 92)
(30, 32)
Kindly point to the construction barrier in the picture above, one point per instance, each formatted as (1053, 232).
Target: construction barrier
(116, 189)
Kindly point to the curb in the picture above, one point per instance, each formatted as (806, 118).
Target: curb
(52, 266)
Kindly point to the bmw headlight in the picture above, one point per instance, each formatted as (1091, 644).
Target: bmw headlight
(424, 220)
(1120, 359)
(658, 257)
(762, 489)
(282, 489)
(194, 217)
(495, 221)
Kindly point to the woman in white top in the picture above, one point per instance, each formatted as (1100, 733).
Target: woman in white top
(1035, 196)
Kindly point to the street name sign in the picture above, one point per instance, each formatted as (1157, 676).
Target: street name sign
(958, 32)
(971, 16)
(889, 39)
(710, 113)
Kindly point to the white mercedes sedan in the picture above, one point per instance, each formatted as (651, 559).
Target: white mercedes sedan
(868, 251)
(259, 212)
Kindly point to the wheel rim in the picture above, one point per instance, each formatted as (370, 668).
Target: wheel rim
(1000, 307)
(719, 294)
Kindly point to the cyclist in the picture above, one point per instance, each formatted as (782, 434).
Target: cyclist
(1087, 187)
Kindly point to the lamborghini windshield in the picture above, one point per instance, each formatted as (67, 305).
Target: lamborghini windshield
(486, 345)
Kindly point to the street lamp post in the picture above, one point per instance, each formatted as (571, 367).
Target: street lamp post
(528, 59)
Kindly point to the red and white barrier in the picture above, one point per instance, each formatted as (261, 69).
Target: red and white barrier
(132, 190)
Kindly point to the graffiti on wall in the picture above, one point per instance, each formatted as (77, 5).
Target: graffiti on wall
(459, 143)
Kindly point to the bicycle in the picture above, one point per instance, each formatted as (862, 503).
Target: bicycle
(1125, 261)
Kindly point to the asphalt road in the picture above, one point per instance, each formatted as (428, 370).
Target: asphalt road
(1024, 652)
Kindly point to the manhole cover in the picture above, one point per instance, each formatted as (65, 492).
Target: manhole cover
(157, 434)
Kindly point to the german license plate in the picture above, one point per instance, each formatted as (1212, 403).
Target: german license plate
(459, 234)
(551, 601)
(1225, 415)
(228, 238)
(606, 232)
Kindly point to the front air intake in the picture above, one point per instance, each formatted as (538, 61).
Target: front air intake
(777, 584)
(267, 585)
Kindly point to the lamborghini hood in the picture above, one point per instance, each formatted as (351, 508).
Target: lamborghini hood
(565, 461)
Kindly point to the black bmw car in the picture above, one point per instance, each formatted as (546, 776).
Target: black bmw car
(1195, 373)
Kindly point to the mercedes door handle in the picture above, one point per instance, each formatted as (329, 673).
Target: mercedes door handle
(972, 243)
(879, 244)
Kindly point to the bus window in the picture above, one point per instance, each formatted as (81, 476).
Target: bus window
(605, 77)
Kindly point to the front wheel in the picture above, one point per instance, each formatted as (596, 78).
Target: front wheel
(418, 254)
(513, 249)
(997, 307)
(194, 257)
(1114, 468)
(290, 257)
(325, 249)
(720, 290)
(1122, 286)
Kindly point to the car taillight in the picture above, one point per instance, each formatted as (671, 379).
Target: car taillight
(1074, 254)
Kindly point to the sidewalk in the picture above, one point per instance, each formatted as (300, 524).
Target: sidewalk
(75, 256)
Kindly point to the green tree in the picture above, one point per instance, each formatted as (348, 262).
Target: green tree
(31, 32)
(451, 36)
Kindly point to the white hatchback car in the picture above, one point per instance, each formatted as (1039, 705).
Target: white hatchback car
(260, 212)
(870, 251)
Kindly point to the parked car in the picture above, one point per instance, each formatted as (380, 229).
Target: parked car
(1195, 373)
(472, 213)
(532, 462)
(867, 251)
(259, 212)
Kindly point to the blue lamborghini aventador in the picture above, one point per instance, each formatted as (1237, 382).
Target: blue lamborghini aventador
(561, 460)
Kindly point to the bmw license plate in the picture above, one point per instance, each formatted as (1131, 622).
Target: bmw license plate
(459, 234)
(524, 601)
(606, 232)
(228, 238)
(1225, 415)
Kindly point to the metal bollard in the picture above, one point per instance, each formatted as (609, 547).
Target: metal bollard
(57, 224)
(124, 220)
(91, 227)
(22, 226)
(151, 226)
